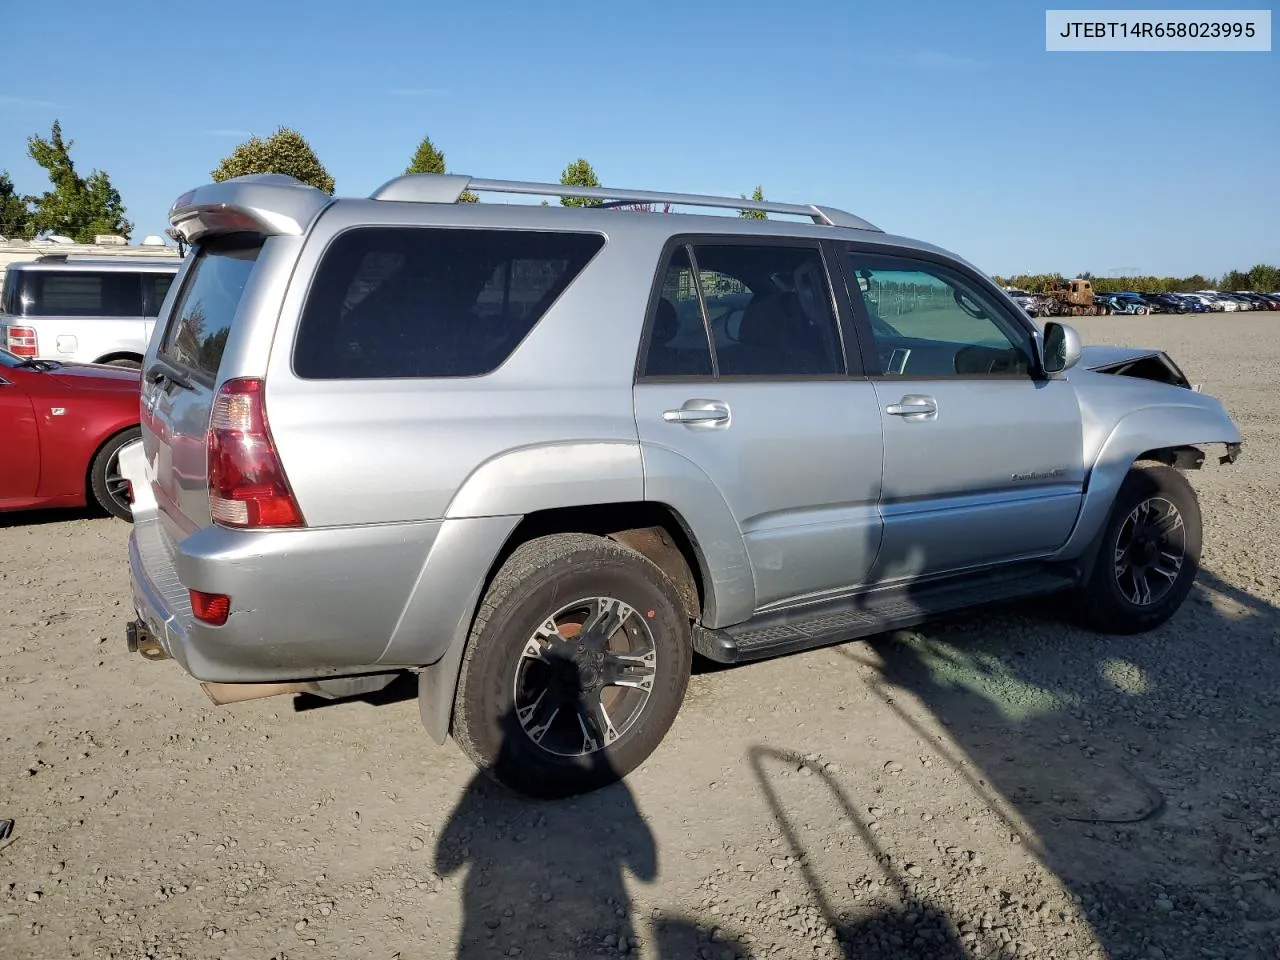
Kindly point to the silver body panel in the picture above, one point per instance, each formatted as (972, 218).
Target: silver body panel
(411, 487)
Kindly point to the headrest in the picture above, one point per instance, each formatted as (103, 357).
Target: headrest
(665, 322)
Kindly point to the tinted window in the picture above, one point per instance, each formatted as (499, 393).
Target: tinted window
(154, 288)
(393, 302)
(75, 293)
(931, 322)
(770, 310)
(678, 345)
(207, 304)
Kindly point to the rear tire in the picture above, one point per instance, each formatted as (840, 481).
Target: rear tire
(109, 489)
(537, 707)
(127, 362)
(1148, 555)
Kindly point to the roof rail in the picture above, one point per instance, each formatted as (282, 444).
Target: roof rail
(447, 188)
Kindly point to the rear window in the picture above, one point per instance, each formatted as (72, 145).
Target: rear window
(409, 302)
(207, 303)
(73, 293)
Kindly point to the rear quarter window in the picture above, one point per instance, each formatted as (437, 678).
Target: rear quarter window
(206, 306)
(418, 302)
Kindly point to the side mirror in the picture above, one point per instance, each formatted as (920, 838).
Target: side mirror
(1061, 347)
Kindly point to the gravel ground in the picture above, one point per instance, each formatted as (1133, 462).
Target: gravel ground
(997, 785)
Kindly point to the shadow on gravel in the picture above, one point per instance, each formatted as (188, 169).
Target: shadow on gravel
(546, 879)
(46, 517)
(1143, 771)
(914, 927)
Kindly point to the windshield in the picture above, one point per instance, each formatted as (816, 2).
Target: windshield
(7, 359)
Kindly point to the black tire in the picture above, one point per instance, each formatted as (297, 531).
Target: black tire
(1111, 598)
(104, 480)
(127, 362)
(540, 579)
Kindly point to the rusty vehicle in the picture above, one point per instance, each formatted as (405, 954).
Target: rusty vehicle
(1071, 298)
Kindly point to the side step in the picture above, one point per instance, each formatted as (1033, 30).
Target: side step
(876, 611)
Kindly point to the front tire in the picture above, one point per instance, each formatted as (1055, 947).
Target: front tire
(1148, 556)
(110, 490)
(575, 669)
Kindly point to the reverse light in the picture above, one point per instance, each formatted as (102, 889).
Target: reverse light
(247, 483)
(210, 608)
(21, 341)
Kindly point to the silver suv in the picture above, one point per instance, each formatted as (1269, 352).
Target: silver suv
(540, 455)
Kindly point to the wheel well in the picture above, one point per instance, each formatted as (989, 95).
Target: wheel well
(653, 530)
(1183, 458)
(122, 355)
(93, 457)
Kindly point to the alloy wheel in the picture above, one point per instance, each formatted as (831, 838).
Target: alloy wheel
(585, 676)
(1149, 551)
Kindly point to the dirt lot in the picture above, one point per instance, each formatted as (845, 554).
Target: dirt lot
(996, 785)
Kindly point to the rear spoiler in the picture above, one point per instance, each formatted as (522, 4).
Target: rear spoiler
(269, 203)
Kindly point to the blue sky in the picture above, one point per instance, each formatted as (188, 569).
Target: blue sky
(945, 121)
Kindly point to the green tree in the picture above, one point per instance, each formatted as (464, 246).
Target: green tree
(758, 196)
(15, 211)
(285, 151)
(1264, 278)
(77, 207)
(429, 158)
(579, 174)
(1234, 280)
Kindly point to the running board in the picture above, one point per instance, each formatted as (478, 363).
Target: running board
(877, 611)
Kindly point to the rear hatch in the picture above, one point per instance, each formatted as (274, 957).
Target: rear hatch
(208, 452)
(180, 381)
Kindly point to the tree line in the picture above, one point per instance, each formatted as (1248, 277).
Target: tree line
(1261, 278)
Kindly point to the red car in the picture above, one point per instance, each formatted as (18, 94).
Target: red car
(62, 426)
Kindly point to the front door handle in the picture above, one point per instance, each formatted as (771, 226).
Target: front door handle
(699, 412)
(913, 407)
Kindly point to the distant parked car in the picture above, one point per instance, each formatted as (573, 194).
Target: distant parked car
(1169, 302)
(1116, 303)
(62, 427)
(1220, 301)
(1189, 303)
(1259, 301)
(83, 309)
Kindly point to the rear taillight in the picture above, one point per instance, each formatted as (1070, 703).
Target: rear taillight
(21, 341)
(247, 484)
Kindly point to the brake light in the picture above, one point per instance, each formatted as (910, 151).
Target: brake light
(247, 483)
(210, 608)
(21, 341)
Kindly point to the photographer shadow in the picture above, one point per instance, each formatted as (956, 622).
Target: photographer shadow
(547, 879)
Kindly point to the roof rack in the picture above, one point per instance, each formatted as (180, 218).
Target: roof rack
(129, 258)
(448, 187)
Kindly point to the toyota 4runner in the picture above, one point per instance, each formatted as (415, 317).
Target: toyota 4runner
(541, 455)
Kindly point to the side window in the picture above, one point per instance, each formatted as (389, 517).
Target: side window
(928, 321)
(397, 302)
(770, 310)
(678, 345)
(82, 294)
(154, 288)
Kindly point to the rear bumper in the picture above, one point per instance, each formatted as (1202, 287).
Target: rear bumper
(304, 604)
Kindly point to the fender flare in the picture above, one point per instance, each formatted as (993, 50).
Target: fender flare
(1144, 430)
(546, 475)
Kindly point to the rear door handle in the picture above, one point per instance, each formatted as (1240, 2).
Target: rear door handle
(913, 406)
(697, 412)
